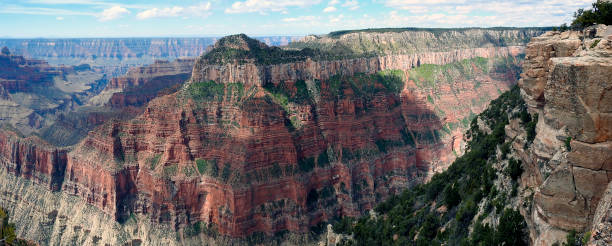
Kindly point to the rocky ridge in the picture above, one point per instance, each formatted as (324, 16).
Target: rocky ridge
(566, 84)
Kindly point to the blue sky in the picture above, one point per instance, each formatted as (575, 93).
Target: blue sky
(153, 18)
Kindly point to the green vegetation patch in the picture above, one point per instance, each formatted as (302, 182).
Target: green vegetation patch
(600, 13)
(202, 165)
(366, 86)
(7, 230)
(243, 49)
(170, 171)
(283, 93)
(211, 91)
(427, 75)
(154, 161)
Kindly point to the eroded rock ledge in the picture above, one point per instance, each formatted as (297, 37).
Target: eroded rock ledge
(567, 82)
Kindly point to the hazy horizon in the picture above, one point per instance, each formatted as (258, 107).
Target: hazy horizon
(48, 19)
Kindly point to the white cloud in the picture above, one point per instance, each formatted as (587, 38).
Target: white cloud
(113, 13)
(351, 4)
(155, 12)
(329, 9)
(81, 2)
(41, 11)
(95, 3)
(486, 12)
(200, 10)
(333, 2)
(336, 19)
(59, 18)
(300, 19)
(263, 6)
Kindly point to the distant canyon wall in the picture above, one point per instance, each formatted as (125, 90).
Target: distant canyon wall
(58, 50)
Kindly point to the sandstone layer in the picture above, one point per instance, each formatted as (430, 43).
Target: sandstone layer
(140, 85)
(566, 83)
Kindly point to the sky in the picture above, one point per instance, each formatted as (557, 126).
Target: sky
(195, 18)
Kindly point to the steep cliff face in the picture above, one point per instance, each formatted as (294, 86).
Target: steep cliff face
(247, 148)
(143, 75)
(18, 74)
(566, 84)
(402, 41)
(33, 159)
(267, 148)
(140, 85)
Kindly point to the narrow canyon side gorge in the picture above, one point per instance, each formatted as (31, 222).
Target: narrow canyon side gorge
(264, 143)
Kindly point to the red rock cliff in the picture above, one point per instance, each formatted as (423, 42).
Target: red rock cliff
(32, 159)
(283, 147)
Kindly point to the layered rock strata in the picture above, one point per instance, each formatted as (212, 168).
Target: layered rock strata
(566, 83)
(140, 85)
(227, 151)
(143, 75)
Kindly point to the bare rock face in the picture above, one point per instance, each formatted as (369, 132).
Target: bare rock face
(602, 222)
(33, 159)
(142, 84)
(566, 81)
(537, 62)
(323, 70)
(18, 74)
(140, 76)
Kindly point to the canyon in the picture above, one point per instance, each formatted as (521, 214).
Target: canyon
(536, 170)
(247, 152)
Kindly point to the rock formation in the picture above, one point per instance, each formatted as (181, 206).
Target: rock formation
(566, 83)
(142, 84)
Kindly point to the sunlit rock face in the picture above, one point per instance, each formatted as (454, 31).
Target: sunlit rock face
(566, 81)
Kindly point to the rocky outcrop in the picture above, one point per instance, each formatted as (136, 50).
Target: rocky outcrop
(117, 51)
(18, 74)
(404, 41)
(141, 76)
(32, 159)
(566, 82)
(34, 94)
(142, 84)
(323, 70)
(602, 221)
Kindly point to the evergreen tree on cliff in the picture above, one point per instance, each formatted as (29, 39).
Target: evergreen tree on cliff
(600, 14)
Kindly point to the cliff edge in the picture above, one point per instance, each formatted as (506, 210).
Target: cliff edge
(566, 84)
